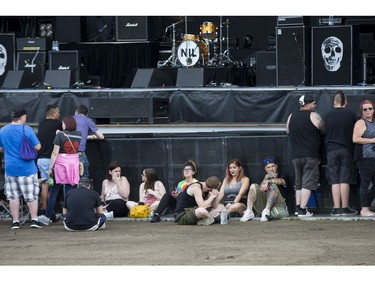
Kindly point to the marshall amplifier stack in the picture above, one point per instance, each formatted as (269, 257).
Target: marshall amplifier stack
(132, 28)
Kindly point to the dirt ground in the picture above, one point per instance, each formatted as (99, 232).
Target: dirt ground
(283, 242)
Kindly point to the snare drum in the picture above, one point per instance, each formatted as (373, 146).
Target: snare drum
(191, 37)
(189, 52)
(208, 30)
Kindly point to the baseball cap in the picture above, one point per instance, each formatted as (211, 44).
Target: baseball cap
(17, 113)
(269, 160)
(306, 99)
(85, 182)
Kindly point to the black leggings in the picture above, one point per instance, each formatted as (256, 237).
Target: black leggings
(367, 176)
(118, 206)
(167, 201)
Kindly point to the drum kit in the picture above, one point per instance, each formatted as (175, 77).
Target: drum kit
(205, 49)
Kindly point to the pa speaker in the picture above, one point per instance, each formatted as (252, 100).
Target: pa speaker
(335, 55)
(266, 68)
(293, 55)
(58, 78)
(66, 60)
(132, 28)
(154, 77)
(17, 79)
(190, 77)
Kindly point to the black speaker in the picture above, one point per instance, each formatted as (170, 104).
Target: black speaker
(149, 108)
(58, 78)
(154, 77)
(266, 68)
(190, 77)
(66, 60)
(293, 55)
(132, 28)
(17, 79)
(335, 55)
(68, 29)
(33, 63)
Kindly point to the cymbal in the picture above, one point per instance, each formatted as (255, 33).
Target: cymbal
(189, 19)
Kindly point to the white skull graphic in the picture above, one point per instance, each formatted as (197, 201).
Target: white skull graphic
(332, 53)
(3, 59)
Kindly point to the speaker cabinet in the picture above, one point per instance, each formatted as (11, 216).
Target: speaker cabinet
(335, 55)
(58, 78)
(154, 77)
(66, 60)
(132, 28)
(266, 68)
(33, 63)
(17, 79)
(293, 55)
(68, 29)
(190, 77)
(130, 109)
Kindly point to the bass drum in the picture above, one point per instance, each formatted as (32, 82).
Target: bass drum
(189, 52)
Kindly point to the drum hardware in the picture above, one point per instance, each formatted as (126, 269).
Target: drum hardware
(173, 59)
(225, 58)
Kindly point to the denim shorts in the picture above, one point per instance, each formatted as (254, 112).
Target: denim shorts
(43, 166)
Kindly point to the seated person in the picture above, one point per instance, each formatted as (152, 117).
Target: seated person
(151, 190)
(266, 198)
(192, 204)
(115, 191)
(233, 191)
(169, 200)
(83, 208)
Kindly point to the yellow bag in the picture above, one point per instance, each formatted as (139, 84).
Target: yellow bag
(139, 211)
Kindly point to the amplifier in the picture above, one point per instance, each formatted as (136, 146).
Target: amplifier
(66, 60)
(33, 44)
(33, 63)
(292, 20)
(132, 28)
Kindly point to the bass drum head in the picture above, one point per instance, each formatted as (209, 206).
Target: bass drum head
(188, 53)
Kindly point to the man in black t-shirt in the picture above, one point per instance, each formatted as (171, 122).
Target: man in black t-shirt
(83, 209)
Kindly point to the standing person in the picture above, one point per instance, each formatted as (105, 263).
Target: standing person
(89, 131)
(339, 124)
(234, 188)
(192, 206)
(264, 197)
(305, 128)
(169, 200)
(83, 208)
(115, 191)
(151, 190)
(64, 163)
(364, 155)
(21, 177)
(47, 130)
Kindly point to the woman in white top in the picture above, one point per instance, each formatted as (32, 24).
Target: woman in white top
(115, 190)
(151, 190)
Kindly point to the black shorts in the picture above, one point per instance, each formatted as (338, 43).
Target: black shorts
(340, 166)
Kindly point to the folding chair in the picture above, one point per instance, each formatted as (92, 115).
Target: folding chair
(5, 213)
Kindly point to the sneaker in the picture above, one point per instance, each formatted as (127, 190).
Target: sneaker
(44, 220)
(35, 224)
(15, 225)
(296, 210)
(304, 213)
(206, 221)
(348, 212)
(247, 215)
(109, 215)
(265, 215)
(102, 227)
(155, 218)
(336, 212)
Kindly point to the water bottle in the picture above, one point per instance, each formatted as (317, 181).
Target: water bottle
(223, 216)
(55, 46)
(51, 181)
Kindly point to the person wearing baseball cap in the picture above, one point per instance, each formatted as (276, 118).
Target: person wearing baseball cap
(21, 178)
(304, 129)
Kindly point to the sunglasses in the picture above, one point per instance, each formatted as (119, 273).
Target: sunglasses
(367, 109)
